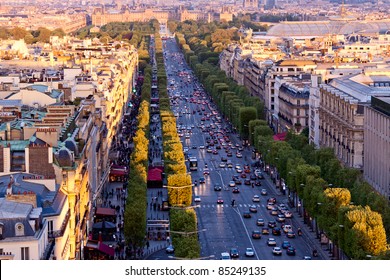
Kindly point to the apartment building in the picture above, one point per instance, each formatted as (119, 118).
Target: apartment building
(377, 144)
(282, 68)
(341, 113)
(292, 103)
(67, 145)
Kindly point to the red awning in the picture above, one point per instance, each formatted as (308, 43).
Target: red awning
(280, 136)
(155, 174)
(106, 249)
(105, 211)
(118, 170)
(100, 246)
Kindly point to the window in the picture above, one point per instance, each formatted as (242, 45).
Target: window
(24, 253)
(298, 102)
(19, 229)
(298, 112)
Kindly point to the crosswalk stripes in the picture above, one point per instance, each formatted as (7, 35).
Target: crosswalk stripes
(228, 205)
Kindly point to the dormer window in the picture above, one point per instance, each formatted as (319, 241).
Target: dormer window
(1, 231)
(19, 229)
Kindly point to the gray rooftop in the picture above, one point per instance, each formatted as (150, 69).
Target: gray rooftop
(14, 210)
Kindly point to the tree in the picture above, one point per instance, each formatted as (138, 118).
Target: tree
(246, 114)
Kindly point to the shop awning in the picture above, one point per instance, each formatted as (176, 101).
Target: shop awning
(105, 211)
(155, 174)
(280, 136)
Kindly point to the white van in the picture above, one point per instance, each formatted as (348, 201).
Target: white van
(225, 256)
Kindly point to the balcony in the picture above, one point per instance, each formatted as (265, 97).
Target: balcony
(48, 250)
(61, 231)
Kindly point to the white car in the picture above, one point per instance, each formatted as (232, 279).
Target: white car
(256, 198)
(225, 256)
(222, 165)
(197, 198)
(288, 214)
(249, 252)
(239, 170)
(277, 251)
(271, 241)
(232, 184)
(287, 228)
(201, 147)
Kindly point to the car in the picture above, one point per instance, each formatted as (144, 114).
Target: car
(206, 171)
(225, 256)
(234, 253)
(286, 244)
(260, 222)
(253, 208)
(256, 198)
(256, 234)
(170, 249)
(291, 234)
(288, 214)
(237, 166)
(229, 165)
(249, 252)
(239, 170)
(306, 258)
(236, 190)
(276, 231)
(240, 148)
(238, 155)
(223, 159)
(281, 218)
(229, 154)
(194, 147)
(270, 206)
(274, 211)
(259, 174)
(291, 251)
(247, 182)
(271, 224)
(265, 230)
(222, 164)
(271, 241)
(215, 152)
(217, 187)
(201, 147)
(277, 251)
(220, 200)
(246, 214)
(257, 183)
(209, 150)
(197, 198)
(247, 170)
(252, 177)
(271, 200)
(238, 182)
(202, 180)
(287, 228)
(243, 175)
(232, 183)
(263, 192)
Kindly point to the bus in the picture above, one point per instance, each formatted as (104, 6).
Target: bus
(193, 163)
